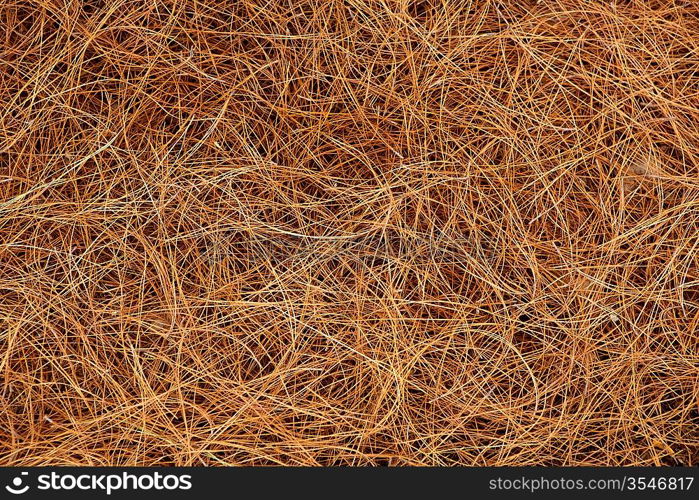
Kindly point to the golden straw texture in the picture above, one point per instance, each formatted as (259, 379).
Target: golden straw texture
(359, 232)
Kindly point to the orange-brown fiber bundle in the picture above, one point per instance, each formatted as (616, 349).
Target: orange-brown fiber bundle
(349, 232)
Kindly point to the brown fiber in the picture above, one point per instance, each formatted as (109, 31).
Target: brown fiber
(359, 232)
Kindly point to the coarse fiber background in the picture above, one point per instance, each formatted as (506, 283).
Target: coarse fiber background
(359, 232)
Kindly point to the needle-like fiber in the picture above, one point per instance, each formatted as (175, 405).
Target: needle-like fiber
(349, 232)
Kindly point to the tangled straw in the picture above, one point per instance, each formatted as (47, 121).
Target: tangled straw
(359, 232)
